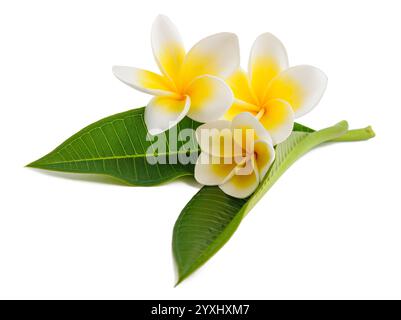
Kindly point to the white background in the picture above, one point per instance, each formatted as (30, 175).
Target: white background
(329, 228)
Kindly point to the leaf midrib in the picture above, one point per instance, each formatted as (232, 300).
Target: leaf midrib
(128, 156)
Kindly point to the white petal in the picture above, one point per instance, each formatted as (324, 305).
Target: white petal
(162, 113)
(301, 86)
(143, 80)
(167, 46)
(265, 155)
(278, 120)
(241, 186)
(210, 96)
(212, 171)
(204, 131)
(245, 121)
(216, 55)
(215, 138)
(267, 59)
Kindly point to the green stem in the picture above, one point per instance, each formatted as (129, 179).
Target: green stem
(356, 135)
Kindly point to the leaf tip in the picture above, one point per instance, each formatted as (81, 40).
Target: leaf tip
(343, 124)
(182, 275)
(370, 132)
(30, 165)
(33, 164)
(181, 278)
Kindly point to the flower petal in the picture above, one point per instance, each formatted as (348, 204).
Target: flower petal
(301, 86)
(240, 106)
(143, 80)
(205, 131)
(210, 98)
(246, 121)
(162, 113)
(278, 119)
(167, 47)
(216, 55)
(265, 155)
(215, 138)
(240, 85)
(268, 58)
(241, 186)
(211, 171)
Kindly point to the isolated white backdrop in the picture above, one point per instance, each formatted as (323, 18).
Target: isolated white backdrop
(329, 228)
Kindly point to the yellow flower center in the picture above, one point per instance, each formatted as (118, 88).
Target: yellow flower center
(260, 113)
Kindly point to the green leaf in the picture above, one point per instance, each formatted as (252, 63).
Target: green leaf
(116, 146)
(211, 217)
(301, 128)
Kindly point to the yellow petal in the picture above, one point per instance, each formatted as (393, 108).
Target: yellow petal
(212, 171)
(278, 119)
(301, 86)
(268, 58)
(241, 186)
(143, 80)
(240, 106)
(210, 98)
(167, 47)
(241, 87)
(216, 55)
(162, 113)
(246, 166)
(264, 157)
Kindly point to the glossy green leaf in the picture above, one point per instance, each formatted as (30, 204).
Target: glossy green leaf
(301, 128)
(116, 146)
(211, 217)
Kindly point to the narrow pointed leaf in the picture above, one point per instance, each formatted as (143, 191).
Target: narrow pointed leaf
(211, 217)
(116, 146)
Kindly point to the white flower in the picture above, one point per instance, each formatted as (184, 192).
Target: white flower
(234, 155)
(273, 92)
(190, 83)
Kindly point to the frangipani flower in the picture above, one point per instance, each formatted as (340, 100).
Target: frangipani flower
(273, 92)
(234, 155)
(190, 83)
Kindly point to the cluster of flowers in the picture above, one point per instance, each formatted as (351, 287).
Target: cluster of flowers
(207, 85)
